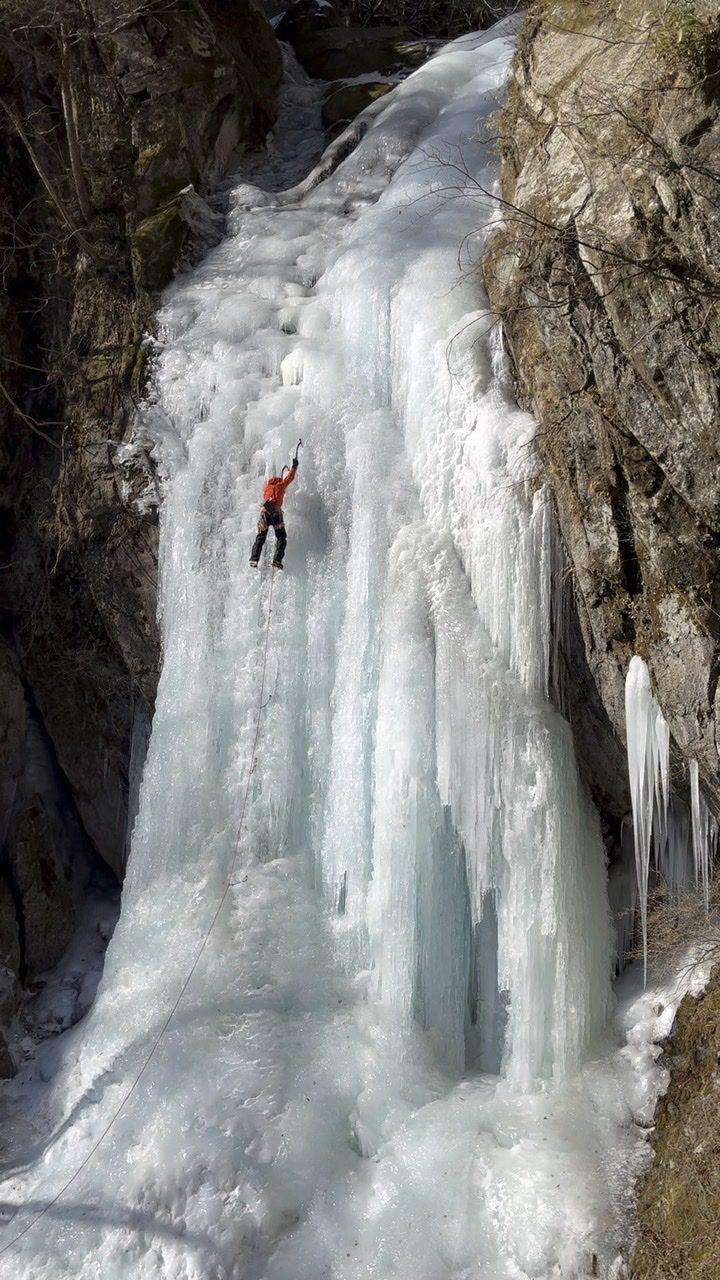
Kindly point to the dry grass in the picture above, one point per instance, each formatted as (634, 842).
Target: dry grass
(679, 920)
(686, 38)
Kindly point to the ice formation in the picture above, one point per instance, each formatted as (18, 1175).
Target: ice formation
(662, 827)
(648, 751)
(704, 833)
(392, 1060)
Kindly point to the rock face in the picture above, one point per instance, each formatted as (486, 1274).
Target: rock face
(117, 118)
(140, 111)
(9, 981)
(45, 856)
(342, 105)
(43, 890)
(333, 53)
(606, 275)
(438, 19)
(345, 55)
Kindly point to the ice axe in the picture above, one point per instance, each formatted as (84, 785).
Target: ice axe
(299, 445)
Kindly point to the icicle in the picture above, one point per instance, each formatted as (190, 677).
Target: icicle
(704, 834)
(648, 745)
(661, 785)
(140, 738)
(673, 855)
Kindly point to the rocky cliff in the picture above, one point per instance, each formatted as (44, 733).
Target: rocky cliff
(117, 117)
(606, 275)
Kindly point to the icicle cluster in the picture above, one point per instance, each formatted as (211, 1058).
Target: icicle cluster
(648, 748)
(660, 820)
(704, 834)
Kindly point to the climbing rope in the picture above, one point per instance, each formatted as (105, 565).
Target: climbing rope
(229, 883)
(251, 765)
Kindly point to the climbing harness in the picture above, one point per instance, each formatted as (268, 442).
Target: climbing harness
(229, 883)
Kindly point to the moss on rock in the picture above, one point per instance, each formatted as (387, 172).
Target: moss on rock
(146, 157)
(156, 245)
(351, 99)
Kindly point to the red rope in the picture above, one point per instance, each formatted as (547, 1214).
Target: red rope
(186, 983)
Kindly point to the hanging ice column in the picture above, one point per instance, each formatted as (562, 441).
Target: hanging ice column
(648, 749)
(659, 819)
(704, 834)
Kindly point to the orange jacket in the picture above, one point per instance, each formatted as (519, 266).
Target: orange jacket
(275, 488)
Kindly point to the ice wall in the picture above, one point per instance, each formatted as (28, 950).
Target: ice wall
(373, 1069)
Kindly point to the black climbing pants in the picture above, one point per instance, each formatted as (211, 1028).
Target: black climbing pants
(270, 515)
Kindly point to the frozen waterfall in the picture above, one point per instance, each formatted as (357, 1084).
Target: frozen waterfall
(393, 1060)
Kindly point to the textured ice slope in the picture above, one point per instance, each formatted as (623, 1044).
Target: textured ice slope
(376, 1070)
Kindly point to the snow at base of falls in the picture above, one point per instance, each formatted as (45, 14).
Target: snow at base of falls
(394, 1059)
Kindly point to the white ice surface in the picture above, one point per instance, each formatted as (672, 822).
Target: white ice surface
(661, 823)
(704, 834)
(648, 749)
(393, 1060)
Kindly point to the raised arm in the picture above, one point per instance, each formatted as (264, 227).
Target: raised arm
(288, 479)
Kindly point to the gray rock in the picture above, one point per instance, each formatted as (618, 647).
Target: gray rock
(8, 1067)
(605, 275)
(343, 104)
(9, 958)
(161, 106)
(47, 900)
(9, 946)
(9, 980)
(336, 53)
(13, 729)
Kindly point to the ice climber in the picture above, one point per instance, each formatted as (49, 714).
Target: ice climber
(271, 514)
